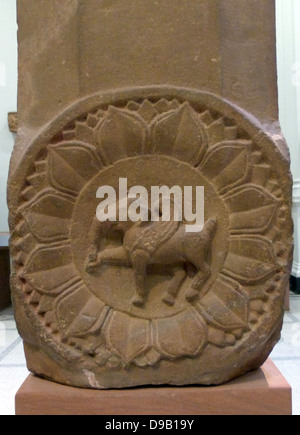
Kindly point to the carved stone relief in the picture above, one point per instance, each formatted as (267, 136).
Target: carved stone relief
(122, 303)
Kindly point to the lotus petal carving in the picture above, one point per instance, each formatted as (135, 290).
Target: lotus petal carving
(119, 332)
(50, 270)
(250, 259)
(79, 314)
(180, 133)
(57, 209)
(181, 335)
(225, 305)
(70, 165)
(202, 305)
(121, 134)
(253, 209)
(227, 164)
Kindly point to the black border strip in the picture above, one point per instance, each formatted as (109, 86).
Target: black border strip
(295, 285)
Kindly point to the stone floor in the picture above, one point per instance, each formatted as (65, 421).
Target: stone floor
(13, 368)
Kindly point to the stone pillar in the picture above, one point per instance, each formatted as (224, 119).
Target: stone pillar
(160, 93)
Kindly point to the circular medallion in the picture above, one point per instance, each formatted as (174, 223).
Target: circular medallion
(122, 295)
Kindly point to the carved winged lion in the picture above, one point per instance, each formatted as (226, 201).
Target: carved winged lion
(163, 244)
